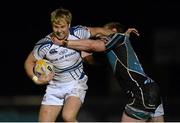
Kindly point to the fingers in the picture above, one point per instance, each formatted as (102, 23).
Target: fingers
(135, 31)
(132, 30)
(55, 40)
(44, 79)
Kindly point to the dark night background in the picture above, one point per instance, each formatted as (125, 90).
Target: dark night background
(23, 23)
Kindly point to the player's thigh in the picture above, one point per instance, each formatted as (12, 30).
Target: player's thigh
(71, 107)
(157, 119)
(49, 113)
(126, 118)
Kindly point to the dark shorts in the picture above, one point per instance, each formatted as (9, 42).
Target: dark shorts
(145, 102)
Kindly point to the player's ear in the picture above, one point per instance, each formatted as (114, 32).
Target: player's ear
(114, 30)
(69, 25)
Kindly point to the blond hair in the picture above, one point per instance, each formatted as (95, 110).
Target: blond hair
(59, 14)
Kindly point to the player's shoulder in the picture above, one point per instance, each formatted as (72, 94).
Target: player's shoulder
(79, 31)
(44, 41)
(78, 28)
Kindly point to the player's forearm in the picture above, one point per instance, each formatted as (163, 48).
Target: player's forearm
(29, 68)
(87, 45)
(82, 44)
(99, 31)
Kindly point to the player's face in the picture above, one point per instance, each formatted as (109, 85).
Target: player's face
(61, 29)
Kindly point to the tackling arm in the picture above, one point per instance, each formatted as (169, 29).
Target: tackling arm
(99, 31)
(87, 45)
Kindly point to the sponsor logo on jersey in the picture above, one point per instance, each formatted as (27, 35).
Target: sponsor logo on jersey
(53, 51)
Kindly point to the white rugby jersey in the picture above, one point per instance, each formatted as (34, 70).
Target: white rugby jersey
(67, 62)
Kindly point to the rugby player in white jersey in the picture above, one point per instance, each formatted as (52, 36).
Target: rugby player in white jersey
(66, 88)
(144, 100)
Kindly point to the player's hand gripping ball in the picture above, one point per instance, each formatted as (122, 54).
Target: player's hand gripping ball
(43, 67)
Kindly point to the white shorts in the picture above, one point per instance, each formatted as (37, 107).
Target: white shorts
(56, 94)
(159, 111)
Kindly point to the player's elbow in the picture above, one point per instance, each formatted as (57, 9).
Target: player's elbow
(97, 46)
(26, 63)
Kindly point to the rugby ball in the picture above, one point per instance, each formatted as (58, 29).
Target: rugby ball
(43, 67)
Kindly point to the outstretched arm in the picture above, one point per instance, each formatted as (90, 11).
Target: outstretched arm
(99, 31)
(87, 45)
